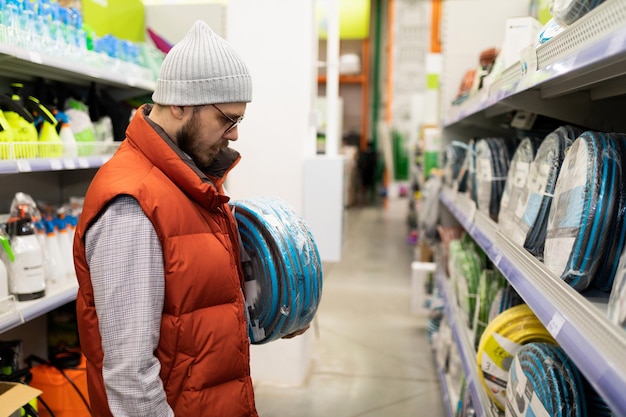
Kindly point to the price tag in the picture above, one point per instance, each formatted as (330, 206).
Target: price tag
(555, 325)
(69, 164)
(23, 165)
(56, 165)
(35, 57)
(528, 61)
(497, 258)
(617, 43)
(83, 163)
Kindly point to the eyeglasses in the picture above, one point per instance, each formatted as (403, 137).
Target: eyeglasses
(234, 122)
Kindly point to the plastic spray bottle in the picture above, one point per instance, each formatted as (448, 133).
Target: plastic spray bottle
(22, 122)
(27, 278)
(65, 245)
(56, 270)
(50, 144)
(70, 148)
(7, 258)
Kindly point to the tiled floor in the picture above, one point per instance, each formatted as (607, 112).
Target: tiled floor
(371, 357)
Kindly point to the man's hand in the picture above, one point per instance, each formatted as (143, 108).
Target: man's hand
(297, 332)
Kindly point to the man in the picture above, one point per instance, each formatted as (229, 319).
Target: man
(160, 301)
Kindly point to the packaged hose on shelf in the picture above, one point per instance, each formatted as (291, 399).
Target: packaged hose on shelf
(282, 268)
(617, 299)
(489, 285)
(566, 12)
(515, 185)
(531, 215)
(543, 381)
(492, 165)
(467, 174)
(603, 279)
(502, 339)
(582, 216)
(466, 263)
(453, 159)
(504, 299)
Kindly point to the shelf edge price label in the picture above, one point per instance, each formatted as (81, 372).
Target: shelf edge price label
(83, 163)
(56, 165)
(35, 57)
(23, 165)
(555, 325)
(528, 61)
(69, 164)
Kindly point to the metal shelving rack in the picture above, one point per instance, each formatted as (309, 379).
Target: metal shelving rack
(577, 323)
(577, 77)
(124, 79)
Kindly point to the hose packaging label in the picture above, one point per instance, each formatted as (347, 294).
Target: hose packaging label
(566, 212)
(496, 361)
(521, 400)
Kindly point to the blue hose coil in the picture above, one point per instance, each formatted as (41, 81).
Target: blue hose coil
(282, 268)
(584, 213)
(549, 375)
(542, 178)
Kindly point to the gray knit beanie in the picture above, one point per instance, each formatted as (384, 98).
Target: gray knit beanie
(202, 69)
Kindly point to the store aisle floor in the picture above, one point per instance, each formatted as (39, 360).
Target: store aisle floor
(371, 357)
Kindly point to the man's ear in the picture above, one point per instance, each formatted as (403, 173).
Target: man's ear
(177, 111)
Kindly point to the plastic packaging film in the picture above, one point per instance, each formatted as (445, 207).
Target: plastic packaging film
(504, 299)
(282, 268)
(582, 213)
(501, 340)
(492, 165)
(465, 264)
(530, 217)
(489, 285)
(566, 12)
(543, 381)
(453, 159)
(515, 186)
(617, 229)
(617, 298)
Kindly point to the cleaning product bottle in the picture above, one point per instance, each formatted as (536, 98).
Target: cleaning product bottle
(65, 246)
(56, 270)
(6, 258)
(50, 144)
(25, 133)
(82, 126)
(70, 148)
(27, 280)
(6, 136)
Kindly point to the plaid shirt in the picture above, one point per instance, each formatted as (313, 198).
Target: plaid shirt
(126, 264)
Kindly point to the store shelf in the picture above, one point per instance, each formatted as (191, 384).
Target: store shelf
(14, 313)
(73, 67)
(579, 324)
(448, 400)
(588, 57)
(462, 338)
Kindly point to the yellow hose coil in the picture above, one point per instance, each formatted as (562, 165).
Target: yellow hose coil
(501, 340)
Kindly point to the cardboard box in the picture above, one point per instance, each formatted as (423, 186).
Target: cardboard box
(13, 396)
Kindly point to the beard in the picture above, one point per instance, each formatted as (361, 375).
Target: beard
(188, 142)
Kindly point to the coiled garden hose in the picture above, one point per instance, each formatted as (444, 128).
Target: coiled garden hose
(582, 224)
(515, 185)
(566, 12)
(492, 165)
(489, 285)
(539, 190)
(282, 268)
(543, 380)
(501, 340)
(506, 298)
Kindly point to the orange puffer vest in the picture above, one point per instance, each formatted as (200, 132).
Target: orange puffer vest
(204, 348)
